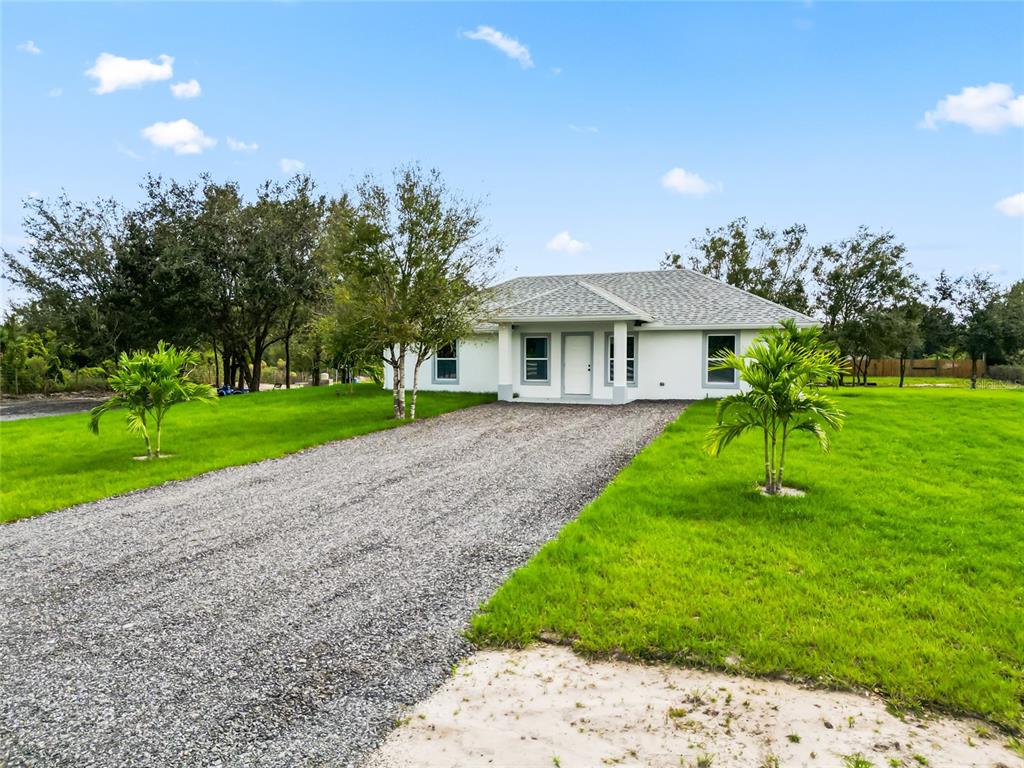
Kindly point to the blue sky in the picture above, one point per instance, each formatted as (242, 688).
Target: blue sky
(630, 127)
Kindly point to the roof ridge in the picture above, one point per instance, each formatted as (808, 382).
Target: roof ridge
(618, 301)
(730, 286)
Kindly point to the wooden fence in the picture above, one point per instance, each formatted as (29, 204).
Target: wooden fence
(959, 369)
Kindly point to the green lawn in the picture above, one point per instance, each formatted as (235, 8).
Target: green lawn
(53, 462)
(901, 571)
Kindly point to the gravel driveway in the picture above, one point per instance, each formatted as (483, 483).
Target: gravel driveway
(282, 613)
(31, 408)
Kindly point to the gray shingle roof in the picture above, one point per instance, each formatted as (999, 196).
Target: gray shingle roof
(669, 297)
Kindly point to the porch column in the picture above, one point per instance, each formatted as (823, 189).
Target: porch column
(619, 363)
(505, 361)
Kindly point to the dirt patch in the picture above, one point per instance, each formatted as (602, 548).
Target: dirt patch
(547, 706)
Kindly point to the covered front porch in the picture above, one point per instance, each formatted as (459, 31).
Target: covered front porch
(567, 362)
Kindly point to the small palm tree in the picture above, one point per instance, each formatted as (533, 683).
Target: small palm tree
(147, 384)
(780, 373)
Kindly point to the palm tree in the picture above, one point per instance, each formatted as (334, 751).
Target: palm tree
(779, 373)
(147, 384)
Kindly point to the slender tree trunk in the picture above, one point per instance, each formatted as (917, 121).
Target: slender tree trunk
(974, 372)
(767, 465)
(782, 458)
(316, 366)
(774, 465)
(867, 363)
(288, 362)
(145, 435)
(401, 381)
(397, 363)
(159, 433)
(903, 368)
(415, 386)
(216, 370)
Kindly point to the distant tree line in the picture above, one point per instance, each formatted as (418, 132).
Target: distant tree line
(866, 294)
(396, 269)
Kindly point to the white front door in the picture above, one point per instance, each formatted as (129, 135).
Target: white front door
(577, 359)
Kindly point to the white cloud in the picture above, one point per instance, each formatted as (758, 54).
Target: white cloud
(117, 72)
(289, 166)
(556, 71)
(183, 136)
(242, 146)
(583, 128)
(1012, 205)
(55, 92)
(564, 243)
(29, 47)
(983, 108)
(507, 45)
(686, 183)
(186, 90)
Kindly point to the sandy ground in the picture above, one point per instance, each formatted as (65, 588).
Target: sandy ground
(546, 706)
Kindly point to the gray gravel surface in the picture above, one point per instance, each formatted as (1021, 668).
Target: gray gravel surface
(283, 613)
(11, 410)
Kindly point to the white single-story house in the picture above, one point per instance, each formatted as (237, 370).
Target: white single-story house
(556, 338)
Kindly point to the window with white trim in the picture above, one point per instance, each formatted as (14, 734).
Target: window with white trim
(446, 363)
(717, 344)
(630, 358)
(536, 358)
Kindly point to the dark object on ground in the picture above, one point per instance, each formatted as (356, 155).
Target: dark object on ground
(226, 390)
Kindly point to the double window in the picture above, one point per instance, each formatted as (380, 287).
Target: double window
(536, 358)
(716, 344)
(446, 364)
(630, 358)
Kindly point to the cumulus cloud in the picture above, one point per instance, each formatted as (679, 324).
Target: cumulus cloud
(235, 145)
(1012, 205)
(687, 183)
(507, 45)
(186, 90)
(29, 47)
(564, 243)
(983, 108)
(116, 72)
(290, 166)
(183, 136)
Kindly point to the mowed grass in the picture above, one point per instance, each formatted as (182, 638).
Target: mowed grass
(947, 382)
(901, 571)
(54, 462)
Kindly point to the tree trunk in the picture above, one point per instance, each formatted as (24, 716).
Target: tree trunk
(316, 366)
(974, 372)
(216, 370)
(771, 486)
(145, 435)
(782, 459)
(867, 362)
(397, 363)
(767, 465)
(400, 404)
(159, 432)
(415, 386)
(903, 368)
(288, 362)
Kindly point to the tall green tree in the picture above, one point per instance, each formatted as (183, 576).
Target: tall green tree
(67, 269)
(776, 265)
(860, 280)
(413, 258)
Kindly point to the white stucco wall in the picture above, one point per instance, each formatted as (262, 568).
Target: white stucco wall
(670, 364)
(478, 367)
